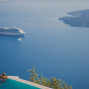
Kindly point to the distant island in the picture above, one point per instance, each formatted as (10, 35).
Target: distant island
(77, 18)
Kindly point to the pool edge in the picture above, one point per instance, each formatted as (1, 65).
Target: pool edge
(16, 78)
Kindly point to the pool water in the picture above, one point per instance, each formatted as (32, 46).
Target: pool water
(12, 84)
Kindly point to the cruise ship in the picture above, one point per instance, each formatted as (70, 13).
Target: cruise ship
(11, 31)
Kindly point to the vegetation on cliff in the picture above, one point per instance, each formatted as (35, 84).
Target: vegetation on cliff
(48, 82)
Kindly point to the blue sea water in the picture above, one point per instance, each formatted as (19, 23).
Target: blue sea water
(55, 48)
(12, 84)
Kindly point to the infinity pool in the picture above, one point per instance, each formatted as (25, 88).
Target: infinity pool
(12, 84)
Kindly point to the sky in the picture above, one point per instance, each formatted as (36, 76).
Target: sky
(47, 0)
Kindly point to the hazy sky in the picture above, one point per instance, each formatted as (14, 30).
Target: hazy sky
(47, 0)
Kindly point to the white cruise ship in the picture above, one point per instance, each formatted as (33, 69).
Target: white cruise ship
(11, 31)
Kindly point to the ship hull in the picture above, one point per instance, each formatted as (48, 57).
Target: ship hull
(4, 33)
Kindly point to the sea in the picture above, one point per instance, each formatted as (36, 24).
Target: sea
(56, 49)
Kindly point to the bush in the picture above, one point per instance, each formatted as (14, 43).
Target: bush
(48, 82)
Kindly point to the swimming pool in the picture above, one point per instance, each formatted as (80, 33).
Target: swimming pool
(12, 84)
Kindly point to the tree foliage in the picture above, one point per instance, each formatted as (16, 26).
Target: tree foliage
(48, 82)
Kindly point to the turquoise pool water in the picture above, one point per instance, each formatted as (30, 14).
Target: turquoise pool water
(12, 84)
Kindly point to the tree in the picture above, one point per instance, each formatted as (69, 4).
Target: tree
(49, 82)
(33, 75)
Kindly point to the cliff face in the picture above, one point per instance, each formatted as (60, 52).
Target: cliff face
(77, 18)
